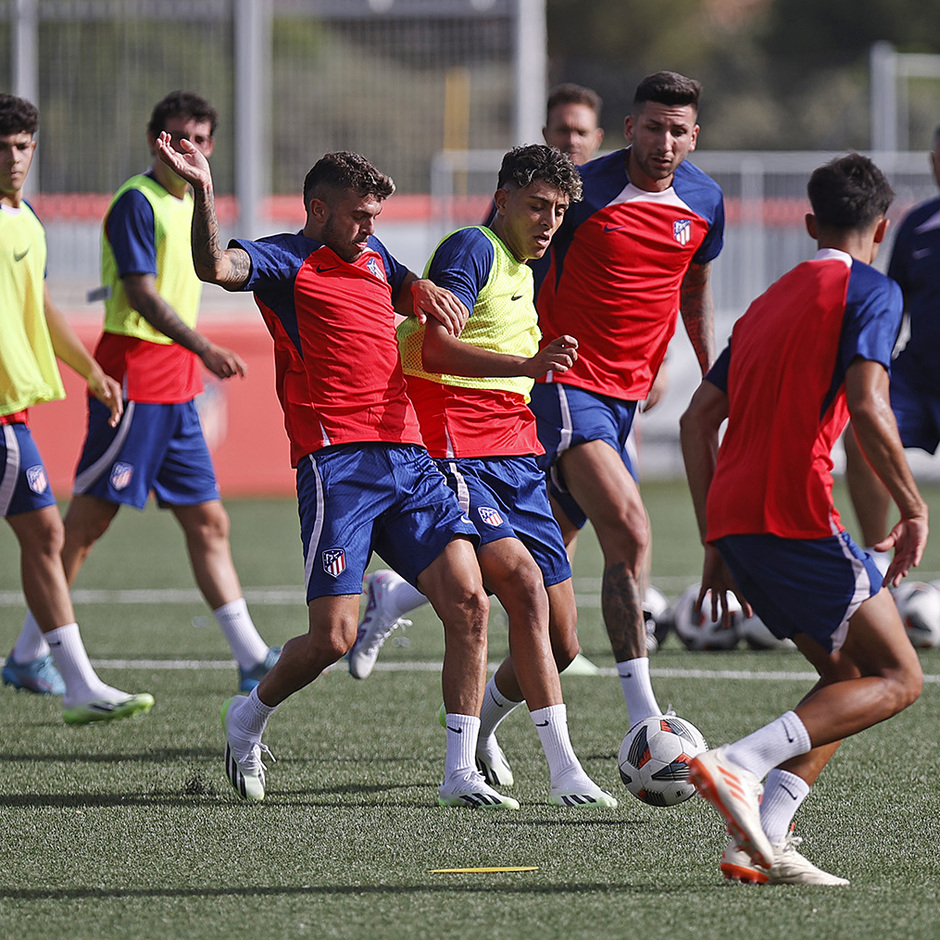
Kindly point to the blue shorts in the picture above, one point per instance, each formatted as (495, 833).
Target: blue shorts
(505, 497)
(810, 586)
(155, 447)
(917, 411)
(567, 416)
(358, 498)
(24, 483)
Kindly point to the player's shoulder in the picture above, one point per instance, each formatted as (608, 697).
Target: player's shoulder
(689, 177)
(921, 214)
(602, 168)
(867, 281)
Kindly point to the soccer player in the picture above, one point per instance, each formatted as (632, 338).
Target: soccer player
(151, 347)
(33, 333)
(329, 295)
(471, 394)
(915, 389)
(628, 258)
(812, 350)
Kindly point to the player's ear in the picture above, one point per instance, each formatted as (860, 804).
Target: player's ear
(811, 225)
(500, 197)
(694, 138)
(881, 229)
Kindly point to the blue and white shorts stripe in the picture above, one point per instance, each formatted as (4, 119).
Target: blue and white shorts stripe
(505, 497)
(358, 498)
(809, 586)
(24, 483)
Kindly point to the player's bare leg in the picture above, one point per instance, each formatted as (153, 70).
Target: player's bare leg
(87, 519)
(597, 479)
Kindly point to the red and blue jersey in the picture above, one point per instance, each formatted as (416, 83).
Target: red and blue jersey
(784, 374)
(339, 377)
(617, 264)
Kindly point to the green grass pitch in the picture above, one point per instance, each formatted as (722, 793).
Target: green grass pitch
(131, 830)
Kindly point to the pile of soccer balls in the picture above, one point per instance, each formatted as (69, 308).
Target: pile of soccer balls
(918, 603)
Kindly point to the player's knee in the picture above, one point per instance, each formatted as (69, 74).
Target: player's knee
(565, 649)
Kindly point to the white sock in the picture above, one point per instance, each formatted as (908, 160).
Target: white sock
(462, 732)
(30, 644)
(494, 709)
(771, 745)
(783, 795)
(247, 646)
(82, 683)
(252, 715)
(552, 725)
(637, 689)
(403, 598)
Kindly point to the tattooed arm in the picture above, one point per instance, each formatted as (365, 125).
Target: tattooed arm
(698, 313)
(229, 268)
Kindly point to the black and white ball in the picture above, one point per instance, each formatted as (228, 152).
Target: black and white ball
(919, 607)
(699, 631)
(657, 615)
(654, 759)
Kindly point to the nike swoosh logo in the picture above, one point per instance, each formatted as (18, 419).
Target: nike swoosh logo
(788, 791)
(517, 296)
(541, 724)
(788, 735)
(17, 256)
(323, 270)
(455, 730)
(493, 699)
(615, 228)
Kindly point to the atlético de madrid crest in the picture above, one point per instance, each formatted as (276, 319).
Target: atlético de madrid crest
(682, 230)
(334, 561)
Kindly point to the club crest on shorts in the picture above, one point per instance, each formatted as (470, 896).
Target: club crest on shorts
(490, 516)
(334, 561)
(682, 230)
(37, 479)
(121, 475)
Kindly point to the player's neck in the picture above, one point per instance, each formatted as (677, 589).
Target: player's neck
(861, 247)
(13, 200)
(173, 184)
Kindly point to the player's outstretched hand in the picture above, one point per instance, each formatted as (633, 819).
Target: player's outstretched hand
(908, 539)
(558, 356)
(717, 578)
(223, 362)
(438, 302)
(187, 162)
(108, 392)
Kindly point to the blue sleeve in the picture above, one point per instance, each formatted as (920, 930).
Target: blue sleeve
(462, 263)
(873, 308)
(714, 239)
(274, 260)
(130, 230)
(395, 271)
(718, 373)
(901, 255)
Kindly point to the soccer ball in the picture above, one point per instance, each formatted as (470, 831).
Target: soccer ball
(654, 759)
(919, 607)
(756, 634)
(658, 618)
(699, 631)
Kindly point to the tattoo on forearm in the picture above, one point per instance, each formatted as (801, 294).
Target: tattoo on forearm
(622, 608)
(698, 313)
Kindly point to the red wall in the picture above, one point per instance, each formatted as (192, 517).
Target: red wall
(242, 418)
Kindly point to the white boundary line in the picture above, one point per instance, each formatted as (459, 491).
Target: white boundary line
(416, 666)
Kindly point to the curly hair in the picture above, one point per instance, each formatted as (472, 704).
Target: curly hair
(17, 116)
(525, 165)
(343, 170)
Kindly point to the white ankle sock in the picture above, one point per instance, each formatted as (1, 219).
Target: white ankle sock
(252, 714)
(30, 644)
(783, 795)
(82, 683)
(637, 689)
(494, 709)
(771, 745)
(403, 598)
(552, 725)
(462, 732)
(247, 646)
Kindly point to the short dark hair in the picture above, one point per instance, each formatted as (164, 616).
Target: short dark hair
(343, 170)
(523, 166)
(184, 104)
(849, 192)
(569, 93)
(669, 88)
(17, 116)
